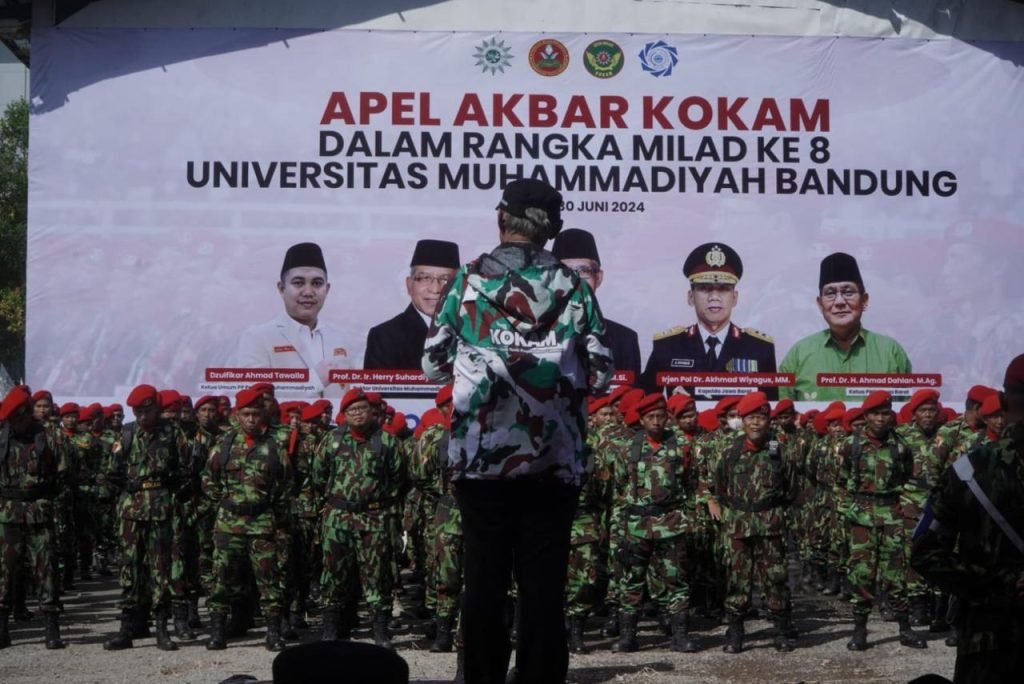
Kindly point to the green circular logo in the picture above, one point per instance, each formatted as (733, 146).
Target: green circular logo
(603, 59)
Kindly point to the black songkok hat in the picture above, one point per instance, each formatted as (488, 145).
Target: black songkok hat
(440, 253)
(528, 193)
(839, 268)
(575, 243)
(304, 254)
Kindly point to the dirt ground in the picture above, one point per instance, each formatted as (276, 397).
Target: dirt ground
(821, 655)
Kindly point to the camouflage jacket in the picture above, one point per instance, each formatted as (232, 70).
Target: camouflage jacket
(427, 464)
(963, 551)
(872, 475)
(754, 486)
(149, 468)
(447, 518)
(305, 501)
(31, 476)
(358, 480)
(655, 486)
(520, 334)
(596, 495)
(249, 483)
(929, 456)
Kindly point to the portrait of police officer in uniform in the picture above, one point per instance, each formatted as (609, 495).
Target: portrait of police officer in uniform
(398, 343)
(714, 343)
(577, 249)
(298, 338)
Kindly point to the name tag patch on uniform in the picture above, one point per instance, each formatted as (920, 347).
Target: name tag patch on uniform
(682, 363)
(283, 349)
(340, 351)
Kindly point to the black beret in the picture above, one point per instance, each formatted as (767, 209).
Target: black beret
(304, 254)
(839, 268)
(575, 243)
(528, 193)
(715, 263)
(440, 253)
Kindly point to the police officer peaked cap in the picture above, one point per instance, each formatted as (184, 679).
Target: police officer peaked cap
(246, 398)
(528, 193)
(992, 405)
(141, 395)
(440, 253)
(922, 396)
(752, 403)
(575, 243)
(839, 267)
(70, 408)
(876, 399)
(1014, 378)
(304, 254)
(15, 401)
(713, 263)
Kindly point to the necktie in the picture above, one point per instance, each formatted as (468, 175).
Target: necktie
(712, 357)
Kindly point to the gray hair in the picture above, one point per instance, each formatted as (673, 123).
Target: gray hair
(535, 226)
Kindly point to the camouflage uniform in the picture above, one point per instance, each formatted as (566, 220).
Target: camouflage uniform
(827, 538)
(67, 503)
(359, 479)
(447, 550)
(962, 550)
(610, 439)
(106, 536)
(89, 489)
(248, 481)
(304, 525)
(425, 476)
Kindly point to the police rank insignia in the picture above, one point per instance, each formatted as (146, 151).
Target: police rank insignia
(549, 57)
(603, 59)
(493, 56)
(715, 257)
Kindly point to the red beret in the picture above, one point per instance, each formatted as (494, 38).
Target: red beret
(116, 407)
(904, 415)
(922, 396)
(352, 396)
(948, 414)
(876, 399)
(651, 402)
(678, 403)
(751, 403)
(992, 405)
(108, 411)
(618, 393)
(979, 393)
(629, 400)
(820, 424)
(186, 400)
(142, 395)
(313, 411)
(15, 400)
(397, 424)
(430, 417)
(1014, 376)
(631, 417)
(375, 399)
(205, 399)
(263, 388)
(169, 400)
(783, 406)
(443, 396)
(247, 397)
(807, 417)
(835, 411)
(856, 413)
(723, 405)
(95, 409)
(42, 394)
(595, 404)
(389, 411)
(70, 408)
(84, 414)
(708, 420)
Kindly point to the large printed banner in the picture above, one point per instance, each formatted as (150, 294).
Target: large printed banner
(171, 171)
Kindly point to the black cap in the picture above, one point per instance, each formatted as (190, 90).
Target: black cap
(304, 254)
(439, 253)
(839, 268)
(575, 243)
(714, 263)
(528, 193)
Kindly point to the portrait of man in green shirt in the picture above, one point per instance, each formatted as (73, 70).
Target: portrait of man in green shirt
(845, 346)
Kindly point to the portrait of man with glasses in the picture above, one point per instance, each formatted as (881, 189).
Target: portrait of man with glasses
(398, 343)
(845, 346)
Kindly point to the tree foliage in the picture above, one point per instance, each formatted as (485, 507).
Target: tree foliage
(13, 212)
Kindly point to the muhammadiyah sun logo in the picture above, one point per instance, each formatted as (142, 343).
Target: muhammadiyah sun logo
(549, 57)
(603, 58)
(493, 56)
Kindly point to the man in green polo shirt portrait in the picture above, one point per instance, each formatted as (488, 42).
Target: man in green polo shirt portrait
(845, 346)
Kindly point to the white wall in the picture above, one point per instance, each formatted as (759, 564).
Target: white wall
(963, 19)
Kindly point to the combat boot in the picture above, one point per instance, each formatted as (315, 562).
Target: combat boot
(859, 640)
(576, 625)
(610, 628)
(218, 631)
(274, 640)
(832, 584)
(331, 616)
(140, 624)
(123, 639)
(908, 637)
(785, 633)
(682, 642)
(627, 642)
(53, 640)
(734, 635)
(288, 632)
(163, 639)
(380, 629)
(5, 634)
(442, 635)
(181, 627)
(193, 614)
(953, 640)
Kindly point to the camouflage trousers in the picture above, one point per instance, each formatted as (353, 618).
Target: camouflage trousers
(67, 534)
(586, 542)
(304, 560)
(448, 554)
(233, 555)
(661, 566)
(613, 557)
(823, 531)
(33, 546)
(185, 551)
(86, 530)
(760, 561)
(877, 563)
(396, 542)
(146, 578)
(204, 539)
(916, 586)
(106, 525)
(362, 550)
(419, 511)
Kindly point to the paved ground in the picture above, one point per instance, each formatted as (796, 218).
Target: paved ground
(821, 656)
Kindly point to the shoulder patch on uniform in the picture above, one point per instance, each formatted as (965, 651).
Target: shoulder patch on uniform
(670, 332)
(759, 335)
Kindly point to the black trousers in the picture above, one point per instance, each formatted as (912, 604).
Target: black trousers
(515, 528)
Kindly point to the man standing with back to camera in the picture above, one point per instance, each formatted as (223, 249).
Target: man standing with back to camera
(520, 333)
